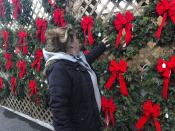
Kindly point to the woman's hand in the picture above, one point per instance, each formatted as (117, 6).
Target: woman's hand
(105, 41)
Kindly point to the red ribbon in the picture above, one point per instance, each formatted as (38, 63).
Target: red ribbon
(52, 3)
(149, 110)
(13, 84)
(165, 69)
(37, 61)
(108, 106)
(87, 24)
(5, 37)
(123, 22)
(22, 68)
(1, 8)
(17, 8)
(22, 40)
(41, 25)
(32, 86)
(59, 17)
(1, 84)
(8, 65)
(117, 70)
(163, 8)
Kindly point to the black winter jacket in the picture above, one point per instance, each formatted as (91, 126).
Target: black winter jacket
(72, 99)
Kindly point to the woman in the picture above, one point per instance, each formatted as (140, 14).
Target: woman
(75, 99)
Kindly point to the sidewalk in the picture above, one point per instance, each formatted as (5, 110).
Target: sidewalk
(12, 122)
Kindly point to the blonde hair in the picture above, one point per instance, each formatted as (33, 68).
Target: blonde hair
(58, 39)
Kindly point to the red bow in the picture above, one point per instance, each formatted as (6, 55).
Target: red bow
(87, 24)
(117, 70)
(8, 61)
(165, 68)
(163, 8)
(17, 8)
(37, 61)
(22, 36)
(149, 110)
(41, 25)
(123, 22)
(108, 106)
(86, 52)
(1, 84)
(22, 68)
(5, 36)
(52, 3)
(32, 86)
(59, 17)
(13, 84)
(1, 8)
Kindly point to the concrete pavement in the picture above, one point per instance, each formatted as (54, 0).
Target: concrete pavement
(11, 122)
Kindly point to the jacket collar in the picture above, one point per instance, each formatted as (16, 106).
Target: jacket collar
(48, 56)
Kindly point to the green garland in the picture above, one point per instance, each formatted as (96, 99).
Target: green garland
(26, 16)
(7, 12)
(142, 84)
(47, 6)
(5, 92)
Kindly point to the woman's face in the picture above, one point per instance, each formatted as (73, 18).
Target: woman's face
(75, 44)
